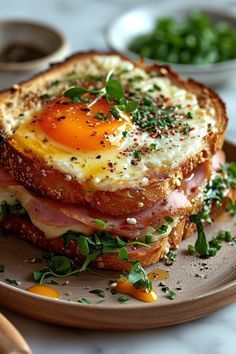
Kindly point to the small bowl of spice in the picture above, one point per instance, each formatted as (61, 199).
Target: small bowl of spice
(27, 47)
(197, 41)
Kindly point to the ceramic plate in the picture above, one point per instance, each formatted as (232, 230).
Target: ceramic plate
(202, 286)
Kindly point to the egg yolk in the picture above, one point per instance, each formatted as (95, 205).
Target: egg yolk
(44, 290)
(125, 287)
(76, 126)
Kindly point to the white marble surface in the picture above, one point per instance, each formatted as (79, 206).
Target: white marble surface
(84, 23)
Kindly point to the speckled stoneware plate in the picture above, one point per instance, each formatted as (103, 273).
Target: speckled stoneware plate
(204, 286)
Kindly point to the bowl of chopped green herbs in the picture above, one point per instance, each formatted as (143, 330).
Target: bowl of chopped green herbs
(198, 42)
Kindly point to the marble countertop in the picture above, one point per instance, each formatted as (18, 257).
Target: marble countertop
(84, 23)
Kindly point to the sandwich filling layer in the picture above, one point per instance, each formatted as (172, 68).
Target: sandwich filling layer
(54, 219)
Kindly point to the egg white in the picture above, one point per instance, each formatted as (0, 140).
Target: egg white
(170, 151)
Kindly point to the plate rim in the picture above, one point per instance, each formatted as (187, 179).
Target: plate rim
(228, 289)
(227, 286)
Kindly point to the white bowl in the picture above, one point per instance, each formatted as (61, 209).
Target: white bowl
(48, 39)
(142, 19)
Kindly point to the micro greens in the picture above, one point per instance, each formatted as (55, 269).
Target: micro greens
(150, 115)
(98, 292)
(214, 193)
(82, 300)
(123, 298)
(91, 247)
(138, 277)
(112, 91)
(171, 295)
(171, 256)
(162, 229)
(169, 219)
(231, 208)
(2, 268)
(99, 222)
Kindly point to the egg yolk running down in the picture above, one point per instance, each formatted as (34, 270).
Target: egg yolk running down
(76, 126)
(125, 287)
(44, 290)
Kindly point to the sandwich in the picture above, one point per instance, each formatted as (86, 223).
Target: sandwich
(111, 162)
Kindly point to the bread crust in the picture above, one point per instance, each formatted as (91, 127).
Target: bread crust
(32, 172)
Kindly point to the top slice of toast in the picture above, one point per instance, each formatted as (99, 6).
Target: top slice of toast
(166, 157)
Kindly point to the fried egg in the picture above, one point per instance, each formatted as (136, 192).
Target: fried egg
(70, 137)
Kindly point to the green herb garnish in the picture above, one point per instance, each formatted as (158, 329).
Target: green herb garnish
(137, 154)
(112, 91)
(2, 268)
(169, 219)
(149, 239)
(171, 295)
(231, 208)
(138, 277)
(11, 281)
(99, 222)
(123, 298)
(162, 229)
(98, 292)
(91, 247)
(214, 193)
(123, 254)
(82, 300)
(191, 249)
(171, 256)
(101, 116)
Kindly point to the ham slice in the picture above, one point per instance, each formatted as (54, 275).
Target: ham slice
(203, 172)
(6, 179)
(217, 160)
(47, 212)
(174, 203)
(64, 215)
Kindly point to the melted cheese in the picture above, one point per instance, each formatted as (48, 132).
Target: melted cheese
(15, 194)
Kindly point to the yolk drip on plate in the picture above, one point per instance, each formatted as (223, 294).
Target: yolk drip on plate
(44, 290)
(125, 287)
(76, 126)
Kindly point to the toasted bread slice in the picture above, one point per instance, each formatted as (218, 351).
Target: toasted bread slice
(39, 176)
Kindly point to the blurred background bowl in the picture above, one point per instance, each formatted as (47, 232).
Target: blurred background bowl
(142, 21)
(33, 45)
